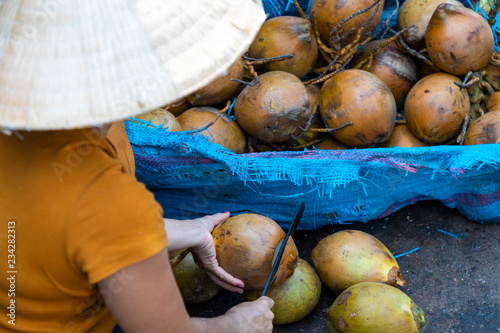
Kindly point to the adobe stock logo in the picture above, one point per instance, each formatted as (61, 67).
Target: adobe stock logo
(74, 155)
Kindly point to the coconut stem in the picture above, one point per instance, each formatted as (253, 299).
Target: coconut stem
(367, 62)
(485, 86)
(178, 258)
(328, 130)
(226, 108)
(309, 144)
(465, 84)
(322, 77)
(400, 122)
(309, 121)
(301, 12)
(255, 62)
(338, 27)
(416, 54)
(461, 137)
(175, 105)
(249, 67)
(387, 22)
(322, 47)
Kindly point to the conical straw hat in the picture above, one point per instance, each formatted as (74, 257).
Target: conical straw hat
(77, 63)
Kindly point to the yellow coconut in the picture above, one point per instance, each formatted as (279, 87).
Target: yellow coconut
(296, 297)
(194, 283)
(374, 307)
(347, 257)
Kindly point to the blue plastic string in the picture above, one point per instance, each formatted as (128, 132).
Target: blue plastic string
(405, 253)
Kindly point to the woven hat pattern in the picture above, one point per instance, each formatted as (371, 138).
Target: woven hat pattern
(77, 63)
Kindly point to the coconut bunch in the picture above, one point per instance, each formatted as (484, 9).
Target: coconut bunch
(339, 78)
(456, 48)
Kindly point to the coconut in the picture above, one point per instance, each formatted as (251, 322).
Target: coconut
(396, 68)
(283, 35)
(221, 88)
(361, 98)
(304, 137)
(458, 39)
(224, 131)
(435, 108)
(330, 13)
(492, 72)
(374, 307)
(245, 245)
(485, 129)
(402, 137)
(274, 107)
(194, 283)
(347, 257)
(493, 102)
(296, 297)
(417, 13)
(162, 118)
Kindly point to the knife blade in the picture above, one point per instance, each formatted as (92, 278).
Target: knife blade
(278, 254)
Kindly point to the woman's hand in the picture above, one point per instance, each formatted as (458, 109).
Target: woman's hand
(204, 254)
(197, 235)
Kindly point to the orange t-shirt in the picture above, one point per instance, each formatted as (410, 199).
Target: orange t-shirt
(75, 216)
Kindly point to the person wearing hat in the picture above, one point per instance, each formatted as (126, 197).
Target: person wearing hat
(84, 244)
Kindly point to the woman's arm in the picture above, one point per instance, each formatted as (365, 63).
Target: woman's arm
(144, 297)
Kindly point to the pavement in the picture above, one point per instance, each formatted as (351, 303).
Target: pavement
(453, 273)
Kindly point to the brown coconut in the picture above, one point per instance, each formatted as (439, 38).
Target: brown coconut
(283, 35)
(396, 68)
(402, 137)
(274, 107)
(221, 88)
(492, 72)
(458, 39)
(329, 13)
(303, 137)
(493, 102)
(436, 107)
(359, 97)
(161, 117)
(224, 131)
(485, 129)
(418, 13)
(245, 245)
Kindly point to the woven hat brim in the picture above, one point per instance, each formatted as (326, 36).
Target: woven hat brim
(87, 62)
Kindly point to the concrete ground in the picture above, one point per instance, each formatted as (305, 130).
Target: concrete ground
(454, 276)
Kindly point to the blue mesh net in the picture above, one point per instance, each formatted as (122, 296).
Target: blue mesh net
(191, 177)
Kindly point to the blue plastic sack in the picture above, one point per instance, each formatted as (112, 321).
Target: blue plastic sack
(191, 177)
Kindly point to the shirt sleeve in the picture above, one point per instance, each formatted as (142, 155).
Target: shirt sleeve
(116, 223)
